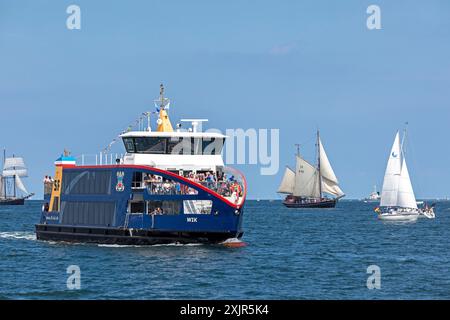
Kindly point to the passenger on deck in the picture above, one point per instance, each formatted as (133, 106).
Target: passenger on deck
(147, 180)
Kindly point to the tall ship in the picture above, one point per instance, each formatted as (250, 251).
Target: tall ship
(12, 189)
(170, 186)
(311, 186)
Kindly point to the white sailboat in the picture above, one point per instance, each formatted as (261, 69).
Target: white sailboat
(12, 189)
(305, 187)
(398, 202)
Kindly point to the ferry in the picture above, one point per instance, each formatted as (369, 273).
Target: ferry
(171, 186)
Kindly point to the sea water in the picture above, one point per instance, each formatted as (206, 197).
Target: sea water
(290, 254)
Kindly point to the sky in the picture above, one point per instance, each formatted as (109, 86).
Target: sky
(295, 66)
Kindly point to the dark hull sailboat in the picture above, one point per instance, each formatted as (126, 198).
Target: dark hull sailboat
(13, 170)
(12, 202)
(305, 187)
(297, 202)
(15, 201)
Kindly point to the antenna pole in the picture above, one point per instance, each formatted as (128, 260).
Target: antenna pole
(403, 139)
(161, 95)
(318, 164)
(4, 161)
(14, 180)
(298, 149)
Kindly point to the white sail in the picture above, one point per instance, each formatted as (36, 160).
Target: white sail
(331, 188)
(330, 183)
(14, 167)
(406, 198)
(288, 182)
(326, 170)
(18, 172)
(11, 163)
(306, 180)
(20, 185)
(389, 193)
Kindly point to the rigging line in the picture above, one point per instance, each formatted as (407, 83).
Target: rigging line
(413, 162)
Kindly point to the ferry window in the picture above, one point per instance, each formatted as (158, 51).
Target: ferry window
(137, 180)
(137, 207)
(179, 146)
(163, 207)
(129, 145)
(212, 146)
(86, 182)
(150, 145)
(197, 206)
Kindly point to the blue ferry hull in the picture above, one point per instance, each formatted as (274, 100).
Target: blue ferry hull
(103, 216)
(128, 236)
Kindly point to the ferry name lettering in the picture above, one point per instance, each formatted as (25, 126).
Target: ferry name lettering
(191, 219)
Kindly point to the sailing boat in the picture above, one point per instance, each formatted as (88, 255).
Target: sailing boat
(10, 178)
(398, 202)
(305, 187)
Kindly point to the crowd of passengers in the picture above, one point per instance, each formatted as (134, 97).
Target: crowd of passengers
(223, 184)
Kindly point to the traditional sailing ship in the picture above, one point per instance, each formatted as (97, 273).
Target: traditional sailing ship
(171, 186)
(12, 189)
(398, 202)
(309, 186)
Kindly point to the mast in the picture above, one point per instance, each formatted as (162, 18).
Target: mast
(298, 149)
(14, 180)
(4, 160)
(403, 140)
(318, 164)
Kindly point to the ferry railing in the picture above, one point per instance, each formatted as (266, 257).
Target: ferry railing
(99, 159)
(225, 187)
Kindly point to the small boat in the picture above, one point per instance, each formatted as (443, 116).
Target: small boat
(374, 196)
(12, 189)
(398, 202)
(308, 185)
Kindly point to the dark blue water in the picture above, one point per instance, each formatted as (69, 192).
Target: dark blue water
(304, 254)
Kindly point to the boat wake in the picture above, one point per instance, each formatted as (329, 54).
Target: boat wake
(234, 243)
(22, 235)
(154, 245)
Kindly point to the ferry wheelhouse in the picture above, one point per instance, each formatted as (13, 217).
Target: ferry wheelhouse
(169, 186)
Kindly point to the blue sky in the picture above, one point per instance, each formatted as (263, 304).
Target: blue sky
(292, 65)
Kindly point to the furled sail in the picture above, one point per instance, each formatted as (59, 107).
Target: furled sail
(406, 198)
(389, 194)
(20, 186)
(288, 182)
(306, 180)
(14, 167)
(330, 183)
